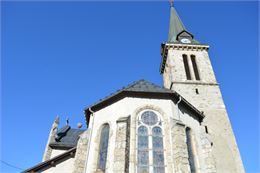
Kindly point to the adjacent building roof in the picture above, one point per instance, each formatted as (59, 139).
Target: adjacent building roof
(142, 89)
(52, 162)
(66, 138)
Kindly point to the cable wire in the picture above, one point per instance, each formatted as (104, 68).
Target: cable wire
(10, 165)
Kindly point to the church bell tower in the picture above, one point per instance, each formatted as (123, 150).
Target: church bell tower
(186, 68)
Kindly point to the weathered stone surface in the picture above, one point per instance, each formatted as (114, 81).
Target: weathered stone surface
(209, 100)
(99, 171)
(210, 164)
(51, 138)
(121, 151)
(81, 153)
(179, 148)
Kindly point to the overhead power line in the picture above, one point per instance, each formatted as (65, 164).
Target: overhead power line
(10, 165)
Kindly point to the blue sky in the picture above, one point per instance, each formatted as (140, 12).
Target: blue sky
(59, 57)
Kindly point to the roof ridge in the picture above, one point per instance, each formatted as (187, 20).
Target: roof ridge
(125, 88)
(134, 83)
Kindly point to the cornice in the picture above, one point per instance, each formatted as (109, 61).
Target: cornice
(193, 47)
(195, 83)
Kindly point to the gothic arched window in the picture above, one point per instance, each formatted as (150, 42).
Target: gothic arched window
(103, 145)
(189, 142)
(150, 151)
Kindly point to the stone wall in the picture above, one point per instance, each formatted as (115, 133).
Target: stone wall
(210, 164)
(48, 150)
(179, 148)
(81, 153)
(121, 152)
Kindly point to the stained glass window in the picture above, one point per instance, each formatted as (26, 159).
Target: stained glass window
(103, 147)
(158, 158)
(150, 151)
(142, 138)
(190, 150)
(149, 118)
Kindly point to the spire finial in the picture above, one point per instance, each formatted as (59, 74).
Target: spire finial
(171, 3)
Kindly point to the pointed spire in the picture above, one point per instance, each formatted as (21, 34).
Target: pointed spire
(176, 25)
(177, 31)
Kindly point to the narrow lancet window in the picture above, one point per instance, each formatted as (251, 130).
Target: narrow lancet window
(195, 67)
(190, 148)
(158, 158)
(143, 150)
(103, 146)
(150, 151)
(186, 66)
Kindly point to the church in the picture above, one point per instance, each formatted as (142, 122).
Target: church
(181, 127)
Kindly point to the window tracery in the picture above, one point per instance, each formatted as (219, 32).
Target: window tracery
(150, 150)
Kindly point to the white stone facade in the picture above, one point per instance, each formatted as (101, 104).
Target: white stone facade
(117, 114)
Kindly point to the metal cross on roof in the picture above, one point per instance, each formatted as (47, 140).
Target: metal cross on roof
(171, 3)
(67, 121)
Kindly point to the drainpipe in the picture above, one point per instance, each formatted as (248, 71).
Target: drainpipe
(178, 108)
(89, 142)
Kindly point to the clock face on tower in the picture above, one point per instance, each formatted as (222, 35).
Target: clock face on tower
(185, 40)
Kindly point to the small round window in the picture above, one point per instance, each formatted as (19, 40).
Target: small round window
(149, 118)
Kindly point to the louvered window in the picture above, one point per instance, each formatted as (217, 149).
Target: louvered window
(195, 67)
(186, 66)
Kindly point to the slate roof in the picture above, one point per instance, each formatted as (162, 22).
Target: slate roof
(137, 86)
(66, 138)
(146, 86)
(142, 89)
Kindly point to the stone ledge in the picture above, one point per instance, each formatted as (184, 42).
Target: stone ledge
(123, 119)
(195, 83)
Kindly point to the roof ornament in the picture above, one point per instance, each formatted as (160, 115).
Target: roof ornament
(171, 3)
(57, 119)
(79, 125)
(55, 124)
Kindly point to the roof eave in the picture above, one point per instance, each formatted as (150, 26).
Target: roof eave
(62, 146)
(138, 94)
